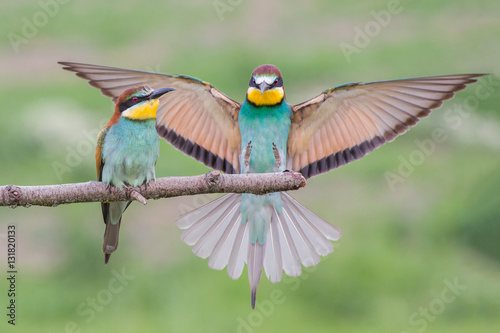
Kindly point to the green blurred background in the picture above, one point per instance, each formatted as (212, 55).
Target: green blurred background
(404, 244)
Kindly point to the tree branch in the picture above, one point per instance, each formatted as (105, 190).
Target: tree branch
(93, 191)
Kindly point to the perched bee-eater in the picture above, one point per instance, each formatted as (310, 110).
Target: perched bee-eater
(126, 154)
(266, 134)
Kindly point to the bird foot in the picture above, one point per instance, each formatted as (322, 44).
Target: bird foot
(248, 151)
(277, 156)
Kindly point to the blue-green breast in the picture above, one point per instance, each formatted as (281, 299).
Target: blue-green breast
(264, 127)
(129, 152)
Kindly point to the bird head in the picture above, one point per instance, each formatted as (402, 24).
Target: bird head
(140, 103)
(266, 86)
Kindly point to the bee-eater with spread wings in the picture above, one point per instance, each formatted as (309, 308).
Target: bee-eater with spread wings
(126, 154)
(266, 134)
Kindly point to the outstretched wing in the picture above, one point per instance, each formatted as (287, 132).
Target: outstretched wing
(347, 122)
(196, 118)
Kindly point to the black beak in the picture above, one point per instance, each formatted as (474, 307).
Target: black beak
(157, 93)
(263, 87)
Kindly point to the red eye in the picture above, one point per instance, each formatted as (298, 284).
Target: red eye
(275, 81)
(135, 99)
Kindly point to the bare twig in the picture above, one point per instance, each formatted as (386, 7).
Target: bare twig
(137, 196)
(93, 191)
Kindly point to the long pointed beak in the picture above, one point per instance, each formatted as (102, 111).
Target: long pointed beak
(159, 92)
(263, 87)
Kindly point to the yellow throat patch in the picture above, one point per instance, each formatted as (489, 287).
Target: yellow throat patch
(143, 111)
(269, 97)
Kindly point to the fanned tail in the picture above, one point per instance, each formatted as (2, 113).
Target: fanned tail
(296, 236)
(215, 230)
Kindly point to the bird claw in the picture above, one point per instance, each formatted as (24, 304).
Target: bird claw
(248, 151)
(277, 156)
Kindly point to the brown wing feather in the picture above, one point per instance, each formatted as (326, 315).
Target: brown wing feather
(196, 118)
(347, 122)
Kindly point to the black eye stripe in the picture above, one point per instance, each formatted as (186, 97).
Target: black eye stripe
(129, 102)
(278, 83)
(252, 83)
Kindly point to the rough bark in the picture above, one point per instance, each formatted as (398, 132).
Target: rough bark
(93, 191)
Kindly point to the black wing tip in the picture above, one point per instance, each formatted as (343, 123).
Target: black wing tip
(253, 297)
(341, 158)
(195, 151)
(472, 76)
(67, 66)
(72, 66)
(467, 79)
(106, 258)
